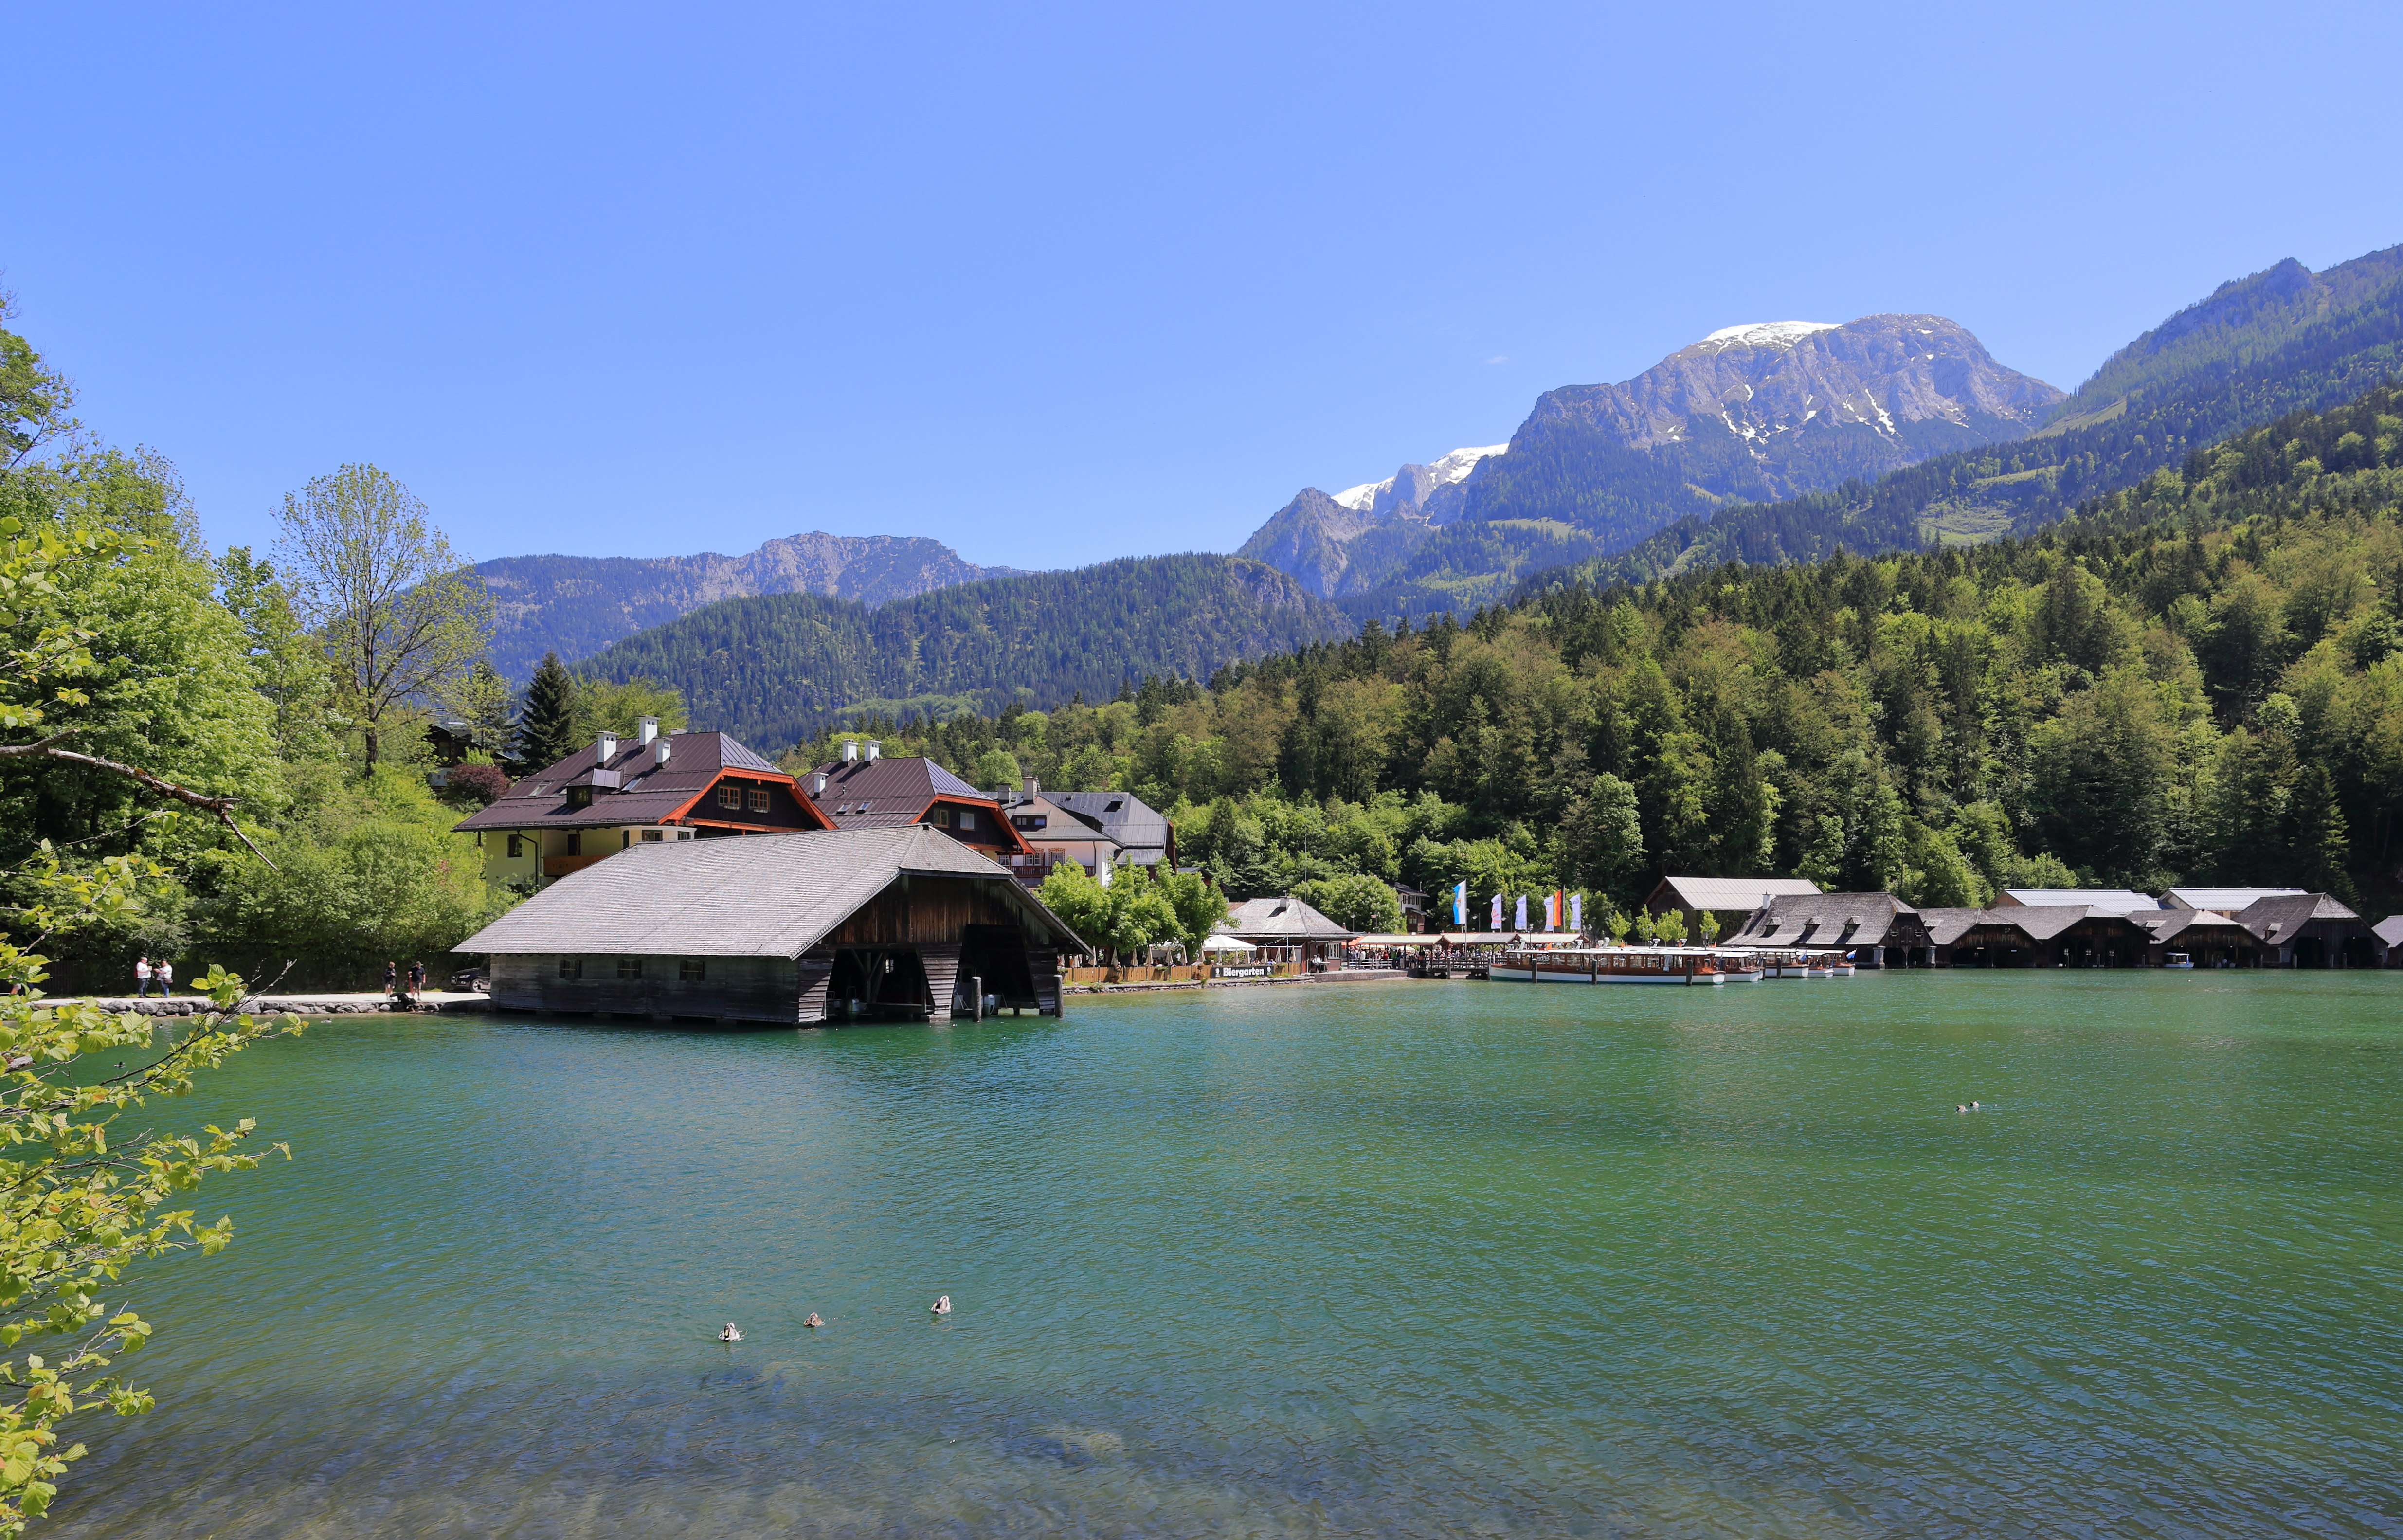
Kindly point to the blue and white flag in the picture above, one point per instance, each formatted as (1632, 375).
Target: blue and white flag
(1522, 913)
(1497, 911)
(1459, 905)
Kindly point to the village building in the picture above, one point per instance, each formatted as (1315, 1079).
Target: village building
(616, 793)
(2312, 930)
(1878, 929)
(2205, 936)
(1098, 830)
(864, 790)
(1731, 899)
(1286, 930)
(904, 924)
(2390, 931)
(2230, 902)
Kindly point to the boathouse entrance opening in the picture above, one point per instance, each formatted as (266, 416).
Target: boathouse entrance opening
(997, 955)
(879, 984)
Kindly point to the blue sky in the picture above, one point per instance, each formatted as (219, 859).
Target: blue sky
(1054, 285)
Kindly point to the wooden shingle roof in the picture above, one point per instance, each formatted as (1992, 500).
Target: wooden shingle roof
(754, 895)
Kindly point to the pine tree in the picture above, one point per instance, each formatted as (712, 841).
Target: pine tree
(547, 725)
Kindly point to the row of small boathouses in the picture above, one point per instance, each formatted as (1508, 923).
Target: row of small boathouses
(2205, 927)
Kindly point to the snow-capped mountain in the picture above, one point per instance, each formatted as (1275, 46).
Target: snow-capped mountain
(1348, 542)
(1419, 486)
(1750, 413)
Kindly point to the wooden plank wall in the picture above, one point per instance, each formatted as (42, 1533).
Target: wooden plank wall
(737, 988)
(920, 911)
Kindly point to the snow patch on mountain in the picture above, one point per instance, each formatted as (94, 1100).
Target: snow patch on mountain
(1358, 498)
(1449, 470)
(1765, 334)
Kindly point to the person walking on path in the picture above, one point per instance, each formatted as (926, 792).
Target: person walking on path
(142, 977)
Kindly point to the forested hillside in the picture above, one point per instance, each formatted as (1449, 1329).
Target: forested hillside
(2283, 340)
(776, 668)
(575, 605)
(2200, 678)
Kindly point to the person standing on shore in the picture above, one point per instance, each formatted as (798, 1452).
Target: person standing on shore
(164, 972)
(142, 977)
(392, 979)
(416, 981)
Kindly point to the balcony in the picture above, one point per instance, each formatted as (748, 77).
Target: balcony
(556, 866)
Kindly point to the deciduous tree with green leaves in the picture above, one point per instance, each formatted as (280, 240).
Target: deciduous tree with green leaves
(398, 614)
(78, 1200)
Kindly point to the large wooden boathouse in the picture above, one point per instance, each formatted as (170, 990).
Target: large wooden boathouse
(856, 924)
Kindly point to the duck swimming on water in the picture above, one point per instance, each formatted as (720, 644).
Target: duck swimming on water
(814, 1322)
(729, 1334)
(942, 1304)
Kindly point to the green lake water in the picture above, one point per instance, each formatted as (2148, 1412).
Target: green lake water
(1427, 1258)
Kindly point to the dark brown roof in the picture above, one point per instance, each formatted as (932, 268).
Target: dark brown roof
(1832, 919)
(2278, 919)
(886, 793)
(649, 792)
(1947, 925)
(2189, 925)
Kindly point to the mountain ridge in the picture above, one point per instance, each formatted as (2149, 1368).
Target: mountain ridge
(1748, 413)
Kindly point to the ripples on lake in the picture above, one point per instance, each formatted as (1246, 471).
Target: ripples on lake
(1426, 1258)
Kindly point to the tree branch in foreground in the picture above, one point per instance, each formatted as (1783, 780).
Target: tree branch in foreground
(222, 806)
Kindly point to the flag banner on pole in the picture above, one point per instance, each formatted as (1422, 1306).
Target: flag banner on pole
(1459, 905)
(1523, 912)
(1497, 911)
(1559, 908)
(1576, 913)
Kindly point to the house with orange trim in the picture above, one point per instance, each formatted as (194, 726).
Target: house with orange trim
(618, 793)
(864, 790)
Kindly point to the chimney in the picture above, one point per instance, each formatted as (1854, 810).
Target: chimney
(608, 748)
(817, 785)
(660, 751)
(1034, 788)
(874, 750)
(850, 750)
(650, 729)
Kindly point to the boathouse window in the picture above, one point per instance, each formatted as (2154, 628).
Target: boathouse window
(693, 970)
(517, 846)
(570, 967)
(730, 797)
(758, 800)
(630, 968)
